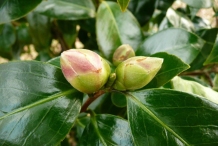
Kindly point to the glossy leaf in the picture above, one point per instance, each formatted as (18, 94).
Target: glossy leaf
(213, 57)
(67, 9)
(116, 31)
(106, 130)
(195, 88)
(179, 20)
(14, 9)
(55, 61)
(209, 35)
(165, 117)
(199, 3)
(7, 37)
(142, 10)
(39, 27)
(178, 42)
(123, 4)
(38, 106)
(171, 67)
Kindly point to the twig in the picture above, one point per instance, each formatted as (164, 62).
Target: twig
(204, 73)
(91, 99)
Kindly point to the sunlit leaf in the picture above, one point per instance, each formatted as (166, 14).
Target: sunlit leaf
(160, 117)
(38, 106)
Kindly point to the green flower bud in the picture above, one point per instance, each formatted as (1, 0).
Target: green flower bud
(136, 72)
(122, 53)
(84, 70)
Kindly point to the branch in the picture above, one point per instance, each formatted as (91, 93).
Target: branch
(91, 99)
(204, 73)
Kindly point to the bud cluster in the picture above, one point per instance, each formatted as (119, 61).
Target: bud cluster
(88, 72)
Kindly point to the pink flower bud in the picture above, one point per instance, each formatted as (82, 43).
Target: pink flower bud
(84, 70)
(136, 72)
(122, 53)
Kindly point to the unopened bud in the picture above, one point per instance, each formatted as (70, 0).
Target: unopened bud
(122, 53)
(84, 70)
(136, 72)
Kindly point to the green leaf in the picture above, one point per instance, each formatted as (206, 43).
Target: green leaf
(68, 30)
(209, 35)
(118, 99)
(106, 130)
(215, 81)
(116, 31)
(213, 57)
(179, 20)
(200, 23)
(163, 5)
(39, 27)
(7, 37)
(67, 9)
(142, 10)
(123, 4)
(55, 61)
(171, 67)
(199, 3)
(160, 117)
(38, 106)
(14, 9)
(23, 35)
(178, 42)
(80, 125)
(195, 88)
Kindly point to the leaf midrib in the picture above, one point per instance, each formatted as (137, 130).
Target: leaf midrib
(52, 97)
(142, 106)
(113, 18)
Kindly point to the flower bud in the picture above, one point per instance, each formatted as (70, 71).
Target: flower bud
(136, 72)
(122, 53)
(84, 70)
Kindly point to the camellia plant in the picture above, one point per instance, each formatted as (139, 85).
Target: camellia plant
(100, 72)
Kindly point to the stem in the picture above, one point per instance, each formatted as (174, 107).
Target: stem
(204, 73)
(91, 99)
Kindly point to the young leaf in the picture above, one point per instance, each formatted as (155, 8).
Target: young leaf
(199, 3)
(107, 130)
(171, 67)
(11, 9)
(67, 9)
(178, 42)
(194, 87)
(38, 106)
(213, 57)
(116, 31)
(166, 117)
(123, 4)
